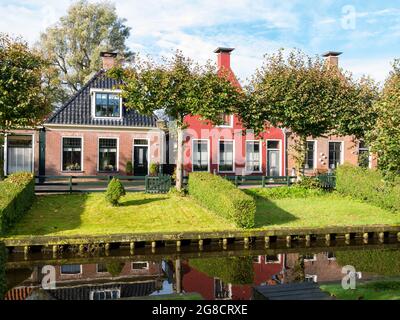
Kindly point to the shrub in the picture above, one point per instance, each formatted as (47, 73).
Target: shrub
(309, 183)
(115, 191)
(223, 198)
(154, 169)
(285, 192)
(368, 185)
(233, 270)
(17, 194)
(115, 268)
(129, 168)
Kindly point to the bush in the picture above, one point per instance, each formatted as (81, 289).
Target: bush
(368, 185)
(17, 194)
(115, 191)
(154, 169)
(309, 183)
(129, 168)
(285, 192)
(233, 270)
(223, 198)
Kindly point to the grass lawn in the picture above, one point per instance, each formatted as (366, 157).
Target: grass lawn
(374, 290)
(90, 214)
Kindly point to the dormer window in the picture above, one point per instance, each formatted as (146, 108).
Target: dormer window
(106, 104)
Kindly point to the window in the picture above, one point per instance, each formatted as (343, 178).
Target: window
(310, 257)
(72, 154)
(200, 155)
(140, 142)
(101, 268)
(108, 155)
(110, 294)
(71, 269)
(274, 145)
(311, 278)
(257, 259)
(273, 258)
(363, 155)
(226, 156)
(227, 120)
(19, 154)
(335, 154)
(222, 290)
(310, 155)
(330, 256)
(253, 156)
(140, 266)
(107, 105)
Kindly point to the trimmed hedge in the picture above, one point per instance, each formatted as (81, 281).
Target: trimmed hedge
(368, 185)
(233, 270)
(285, 192)
(222, 197)
(17, 194)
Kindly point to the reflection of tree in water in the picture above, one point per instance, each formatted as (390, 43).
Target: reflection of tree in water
(297, 272)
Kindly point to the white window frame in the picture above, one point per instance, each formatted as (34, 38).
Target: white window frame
(315, 155)
(261, 156)
(234, 156)
(280, 156)
(311, 260)
(98, 154)
(273, 262)
(71, 274)
(91, 295)
(148, 152)
(314, 277)
(97, 269)
(146, 268)
(208, 154)
(341, 155)
(258, 260)
(93, 92)
(230, 123)
(5, 151)
(330, 259)
(62, 153)
(369, 154)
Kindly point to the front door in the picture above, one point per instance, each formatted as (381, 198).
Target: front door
(273, 159)
(19, 154)
(140, 160)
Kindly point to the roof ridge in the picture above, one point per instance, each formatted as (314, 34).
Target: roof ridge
(66, 104)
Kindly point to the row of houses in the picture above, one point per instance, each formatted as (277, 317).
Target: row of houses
(94, 134)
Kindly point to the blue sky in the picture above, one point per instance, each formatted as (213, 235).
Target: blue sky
(368, 31)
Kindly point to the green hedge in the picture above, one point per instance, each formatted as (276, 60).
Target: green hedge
(233, 270)
(222, 197)
(17, 193)
(285, 192)
(380, 262)
(368, 185)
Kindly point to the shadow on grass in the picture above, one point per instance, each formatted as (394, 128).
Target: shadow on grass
(140, 202)
(268, 213)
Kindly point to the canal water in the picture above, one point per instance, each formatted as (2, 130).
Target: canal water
(214, 273)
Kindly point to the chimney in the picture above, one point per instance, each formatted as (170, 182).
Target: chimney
(332, 58)
(224, 57)
(109, 59)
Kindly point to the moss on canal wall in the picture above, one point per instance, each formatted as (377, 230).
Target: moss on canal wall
(234, 270)
(3, 260)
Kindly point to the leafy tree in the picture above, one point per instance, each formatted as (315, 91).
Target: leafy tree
(301, 93)
(115, 191)
(384, 138)
(23, 96)
(74, 44)
(180, 88)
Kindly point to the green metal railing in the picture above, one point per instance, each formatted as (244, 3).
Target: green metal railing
(262, 181)
(158, 184)
(327, 181)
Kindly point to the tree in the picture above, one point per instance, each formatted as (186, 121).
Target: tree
(74, 44)
(300, 93)
(180, 88)
(384, 138)
(24, 98)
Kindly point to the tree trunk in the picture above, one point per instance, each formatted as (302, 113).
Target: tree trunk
(301, 156)
(179, 160)
(178, 276)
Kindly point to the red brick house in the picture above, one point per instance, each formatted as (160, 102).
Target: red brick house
(225, 149)
(91, 134)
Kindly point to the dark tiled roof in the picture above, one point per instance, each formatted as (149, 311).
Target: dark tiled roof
(77, 111)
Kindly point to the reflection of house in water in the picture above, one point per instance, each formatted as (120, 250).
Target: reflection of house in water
(267, 270)
(95, 281)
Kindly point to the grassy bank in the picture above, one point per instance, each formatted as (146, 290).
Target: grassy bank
(68, 215)
(374, 290)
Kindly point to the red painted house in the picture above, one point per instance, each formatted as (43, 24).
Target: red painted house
(225, 149)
